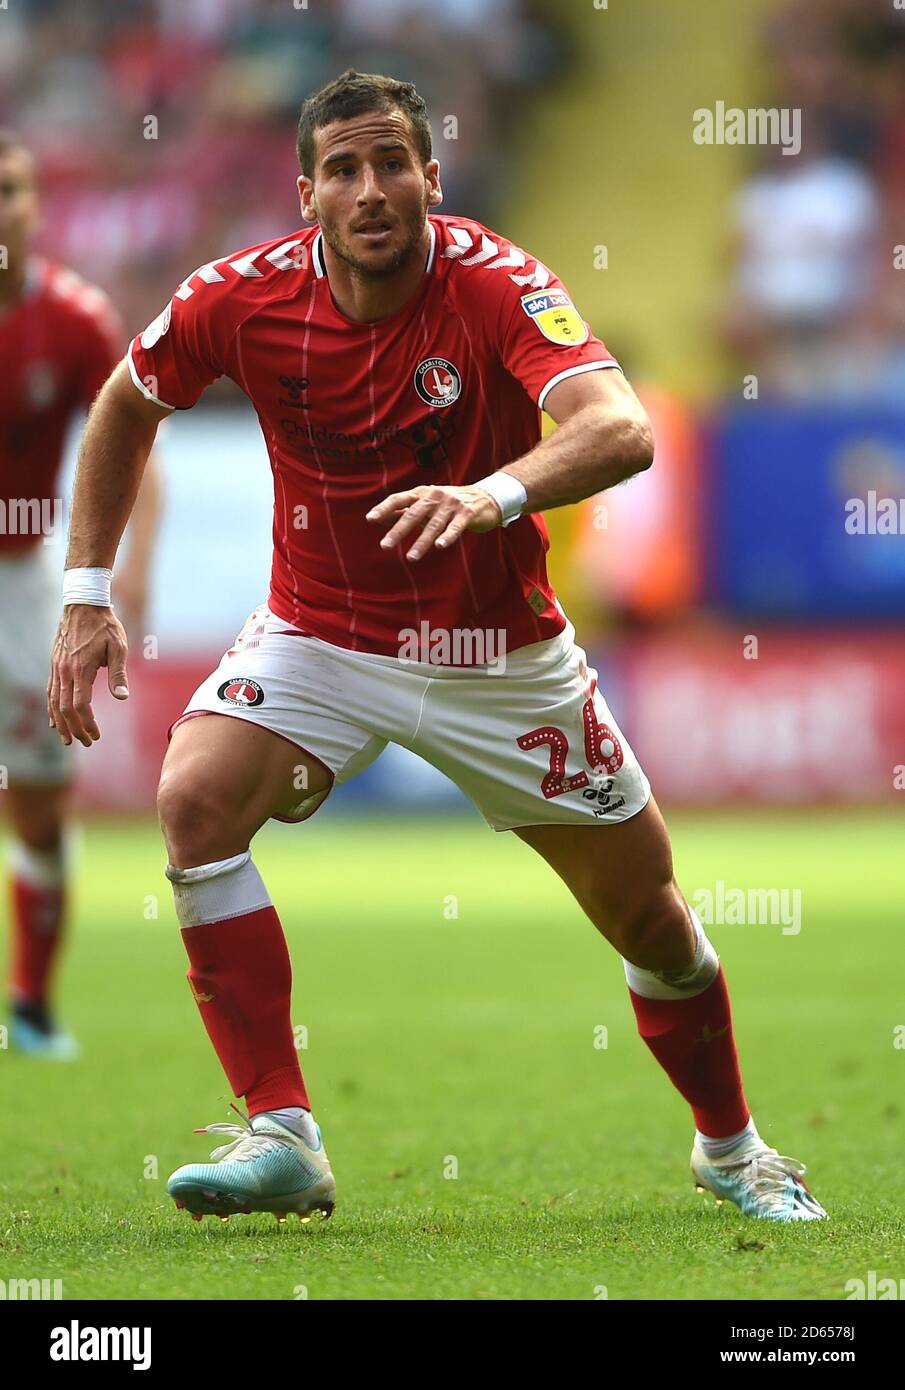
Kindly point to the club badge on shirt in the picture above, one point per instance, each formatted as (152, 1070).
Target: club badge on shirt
(437, 381)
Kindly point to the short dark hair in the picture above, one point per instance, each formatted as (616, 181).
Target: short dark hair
(354, 94)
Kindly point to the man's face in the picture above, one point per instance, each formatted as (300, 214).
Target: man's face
(18, 201)
(370, 191)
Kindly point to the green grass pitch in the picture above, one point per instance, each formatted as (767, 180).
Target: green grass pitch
(452, 993)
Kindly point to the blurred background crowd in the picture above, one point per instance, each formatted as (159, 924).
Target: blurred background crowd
(165, 134)
(817, 306)
(756, 300)
(223, 81)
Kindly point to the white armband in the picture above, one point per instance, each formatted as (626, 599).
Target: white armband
(505, 489)
(88, 585)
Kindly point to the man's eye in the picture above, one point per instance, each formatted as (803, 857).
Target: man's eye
(395, 163)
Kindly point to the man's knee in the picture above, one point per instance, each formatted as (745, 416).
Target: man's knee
(199, 818)
(37, 815)
(42, 835)
(654, 930)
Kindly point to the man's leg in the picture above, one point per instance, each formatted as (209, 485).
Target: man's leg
(264, 735)
(622, 876)
(222, 779)
(38, 884)
(539, 752)
(38, 776)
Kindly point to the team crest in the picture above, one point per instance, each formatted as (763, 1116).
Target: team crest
(241, 691)
(437, 381)
(556, 317)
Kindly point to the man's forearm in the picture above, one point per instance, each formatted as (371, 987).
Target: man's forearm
(587, 453)
(112, 458)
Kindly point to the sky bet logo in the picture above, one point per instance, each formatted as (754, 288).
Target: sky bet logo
(537, 303)
(77, 1343)
(556, 316)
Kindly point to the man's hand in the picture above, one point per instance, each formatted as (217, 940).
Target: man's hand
(89, 637)
(440, 513)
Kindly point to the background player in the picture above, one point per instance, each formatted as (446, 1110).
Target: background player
(59, 340)
(429, 345)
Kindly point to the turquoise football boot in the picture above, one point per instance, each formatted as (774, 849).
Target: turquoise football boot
(34, 1032)
(264, 1167)
(761, 1182)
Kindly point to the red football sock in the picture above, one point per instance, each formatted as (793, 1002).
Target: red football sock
(692, 1040)
(241, 978)
(37, 930)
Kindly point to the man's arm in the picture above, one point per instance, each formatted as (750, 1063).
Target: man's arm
(604, 437)
(112, 457)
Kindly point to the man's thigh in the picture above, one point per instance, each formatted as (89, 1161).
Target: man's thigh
(238, 768)
(298, 701)
(37, 812)
(31, 753)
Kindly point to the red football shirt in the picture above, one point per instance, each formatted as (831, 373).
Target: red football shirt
(58, 344)
(445, 390)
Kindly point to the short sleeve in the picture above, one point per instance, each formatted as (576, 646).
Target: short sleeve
(544, 339)
(182, 350)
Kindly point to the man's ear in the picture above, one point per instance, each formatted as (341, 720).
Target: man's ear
(306, 198)
(436, 194)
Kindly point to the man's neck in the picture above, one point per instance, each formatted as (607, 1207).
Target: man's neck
(367, 300)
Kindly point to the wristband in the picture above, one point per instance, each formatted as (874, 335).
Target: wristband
(507, 491)
(88, 585)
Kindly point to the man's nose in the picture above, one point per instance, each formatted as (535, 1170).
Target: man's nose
(370, 190)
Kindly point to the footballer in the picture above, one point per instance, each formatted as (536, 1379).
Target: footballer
(60, 339)
(398, 361)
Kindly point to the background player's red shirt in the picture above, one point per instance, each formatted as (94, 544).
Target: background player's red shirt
(445, 390)
(58, 344)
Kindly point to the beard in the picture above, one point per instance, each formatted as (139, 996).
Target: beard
(402, 255)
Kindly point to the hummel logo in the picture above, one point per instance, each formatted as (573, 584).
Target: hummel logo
(708, 1037)
(199, 998)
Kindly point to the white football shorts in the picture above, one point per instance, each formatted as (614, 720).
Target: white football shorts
(30, 608)
(528, 738)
